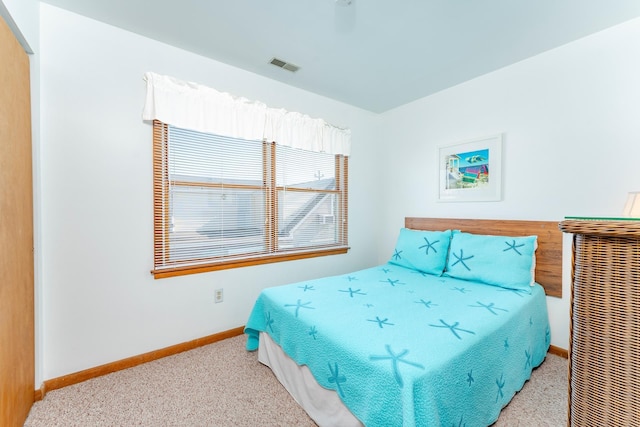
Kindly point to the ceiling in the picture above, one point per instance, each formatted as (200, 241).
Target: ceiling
(372, 54)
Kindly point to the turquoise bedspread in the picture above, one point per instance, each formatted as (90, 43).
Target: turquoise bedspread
(403, 348)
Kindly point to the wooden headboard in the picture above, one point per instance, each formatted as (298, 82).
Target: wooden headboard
(548, 255)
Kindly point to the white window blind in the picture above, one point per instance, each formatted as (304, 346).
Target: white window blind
(222, 202)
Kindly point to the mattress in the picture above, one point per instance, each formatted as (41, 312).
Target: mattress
(402, 348)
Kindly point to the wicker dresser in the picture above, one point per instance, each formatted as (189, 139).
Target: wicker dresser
(604, 347)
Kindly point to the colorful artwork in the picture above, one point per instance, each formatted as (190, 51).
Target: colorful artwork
(464, 170)
(467, 170)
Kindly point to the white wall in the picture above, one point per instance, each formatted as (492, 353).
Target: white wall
(569, 117)
(100, 303)
(571, 122)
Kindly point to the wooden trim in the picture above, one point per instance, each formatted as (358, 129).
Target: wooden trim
(130, 362)
(266, 182)
(559, 351)
(39, 393)
(274, 200)
(345, 209)
(268, 259)
(548, 255)
(161, 218)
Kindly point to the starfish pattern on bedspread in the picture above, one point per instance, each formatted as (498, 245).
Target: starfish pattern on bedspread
(393, 282)
(306, 288)
(470, 377)
(351, 278)
(422, 273)
(396, 254)
(427, 304)
(500, 383)
(520, 292)
(313, 331)
(453, 328)
(381, 322)
(461, 290)
(337, 378)
(395, 359)
(269, 321)
(489, 307)
(352, 292)
(506, 343)
(528, 357)
(513, 246)
(300, 305)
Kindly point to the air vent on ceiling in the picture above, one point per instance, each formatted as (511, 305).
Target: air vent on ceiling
(283, 64)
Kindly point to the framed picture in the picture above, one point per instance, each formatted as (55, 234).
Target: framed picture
(471, 171)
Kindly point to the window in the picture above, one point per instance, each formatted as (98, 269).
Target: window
(222, 202)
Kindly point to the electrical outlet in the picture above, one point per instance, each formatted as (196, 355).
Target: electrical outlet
(219, 295)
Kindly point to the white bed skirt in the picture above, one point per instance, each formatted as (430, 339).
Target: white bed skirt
(323, 405)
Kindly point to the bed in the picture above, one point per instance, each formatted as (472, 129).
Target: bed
(444, 333)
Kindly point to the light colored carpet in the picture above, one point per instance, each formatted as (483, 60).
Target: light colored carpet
(222, 384)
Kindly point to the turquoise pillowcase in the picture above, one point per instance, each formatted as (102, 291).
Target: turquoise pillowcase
(504, 261)
(424, 251)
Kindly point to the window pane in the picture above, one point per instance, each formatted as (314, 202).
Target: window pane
(202, 157)
(305, 169)
(306, 219)
(222, 202)
(208, 222)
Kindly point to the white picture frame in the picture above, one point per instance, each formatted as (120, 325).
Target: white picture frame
(471, 170)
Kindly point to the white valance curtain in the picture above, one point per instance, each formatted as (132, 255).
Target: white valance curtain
(196, 107)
